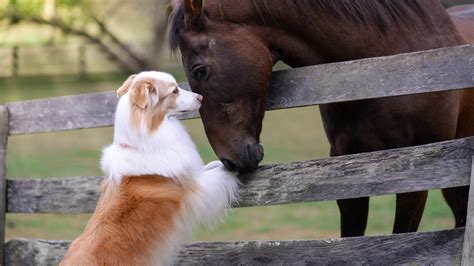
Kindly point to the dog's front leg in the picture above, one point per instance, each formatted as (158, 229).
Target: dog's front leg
(212, 165)
(219, 189)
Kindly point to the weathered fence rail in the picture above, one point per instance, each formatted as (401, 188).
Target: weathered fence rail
(421, 72)
(433, 248)
(432, 166)
(438, 165)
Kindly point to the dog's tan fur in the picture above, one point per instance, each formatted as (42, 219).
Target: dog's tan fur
(156, 190)
(140, 97)
(140, 210)
(133, 214)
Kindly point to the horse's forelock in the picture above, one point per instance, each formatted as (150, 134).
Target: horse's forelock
(176, 22)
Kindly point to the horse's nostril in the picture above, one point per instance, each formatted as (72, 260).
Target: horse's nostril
(254, 154)
(229, 164)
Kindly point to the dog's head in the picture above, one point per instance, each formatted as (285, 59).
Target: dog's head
(152, 96)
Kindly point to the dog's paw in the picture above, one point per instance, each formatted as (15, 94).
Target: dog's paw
(212, 165)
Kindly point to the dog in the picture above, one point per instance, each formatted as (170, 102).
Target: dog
(156, 189)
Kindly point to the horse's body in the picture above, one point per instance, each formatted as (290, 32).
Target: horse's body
(228, 51)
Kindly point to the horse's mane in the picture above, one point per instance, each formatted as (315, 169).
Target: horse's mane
(370, 12)
(380, 13)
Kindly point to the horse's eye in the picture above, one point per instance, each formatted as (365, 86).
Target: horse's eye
(175, 91)
(200, 73)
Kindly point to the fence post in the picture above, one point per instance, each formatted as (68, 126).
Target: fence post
(15, 61)
(82, 61)
(468, 246)
(3, 178)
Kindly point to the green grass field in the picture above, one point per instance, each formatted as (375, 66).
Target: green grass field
(288, 135)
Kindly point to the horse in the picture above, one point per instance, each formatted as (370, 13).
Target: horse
(228, 50)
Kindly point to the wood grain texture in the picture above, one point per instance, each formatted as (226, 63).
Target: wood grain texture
(3, 174)
(433, 248)
(66, 113)
(420, 72)
(413, 73)
(468, 247)
(432, 166)
(20, 252)
(53, 195)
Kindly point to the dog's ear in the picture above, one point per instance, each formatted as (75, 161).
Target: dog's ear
(141, 93)
(126, 85)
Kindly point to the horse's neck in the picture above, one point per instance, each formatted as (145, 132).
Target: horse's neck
(318, 35)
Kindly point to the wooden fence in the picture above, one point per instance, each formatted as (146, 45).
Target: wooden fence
(81, 60)
(432, 166)
(54, 60)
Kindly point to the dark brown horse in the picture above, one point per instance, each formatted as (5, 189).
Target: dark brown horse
(229, 47)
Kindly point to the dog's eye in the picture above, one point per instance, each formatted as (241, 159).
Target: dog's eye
(175, 91)
(200, 73)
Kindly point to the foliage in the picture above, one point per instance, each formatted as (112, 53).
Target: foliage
(93, 21)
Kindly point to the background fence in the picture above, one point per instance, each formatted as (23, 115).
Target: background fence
(54, 60)
(432, 166)
(78, 59)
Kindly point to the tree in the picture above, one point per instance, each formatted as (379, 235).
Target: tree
(89, 20)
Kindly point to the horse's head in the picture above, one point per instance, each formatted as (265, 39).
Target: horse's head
(231, 67)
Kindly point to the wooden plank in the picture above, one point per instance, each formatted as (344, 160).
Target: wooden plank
(433, 248)
(413, 73)
(421, 72)
(35, 252)
(468, 247)
(66, 113)
(53, 195)
(438, 165)
(3, 174)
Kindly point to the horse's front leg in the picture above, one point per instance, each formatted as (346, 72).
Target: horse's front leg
(354, 214)
(408, 214)
(457, 198)
(409, 211)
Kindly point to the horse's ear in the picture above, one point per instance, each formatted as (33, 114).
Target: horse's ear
(193, 8)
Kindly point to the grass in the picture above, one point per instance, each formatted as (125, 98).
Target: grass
(288, 135)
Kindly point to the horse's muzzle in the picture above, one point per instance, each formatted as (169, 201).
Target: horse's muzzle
(253, 155)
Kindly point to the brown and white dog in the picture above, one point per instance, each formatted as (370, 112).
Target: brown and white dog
(156, 189)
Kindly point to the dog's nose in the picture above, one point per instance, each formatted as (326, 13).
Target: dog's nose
(199, 98)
